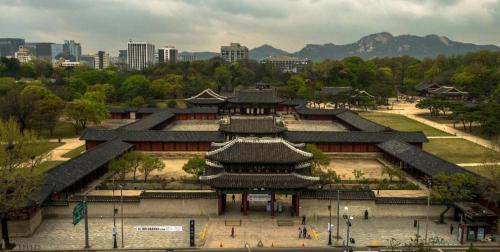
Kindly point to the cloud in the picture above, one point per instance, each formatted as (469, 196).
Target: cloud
(207, 24)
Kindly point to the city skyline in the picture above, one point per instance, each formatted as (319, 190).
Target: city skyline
(206, 25)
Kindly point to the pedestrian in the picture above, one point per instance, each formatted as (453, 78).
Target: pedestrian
(451, 229)
(304, 233)
(232, 232)
(303, 220)
(366, 214)
(233, 198)
(300, 232)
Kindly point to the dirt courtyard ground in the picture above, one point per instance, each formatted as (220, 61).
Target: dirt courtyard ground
(193, 125)
(173, 169)
(344, 167)
(313, 125)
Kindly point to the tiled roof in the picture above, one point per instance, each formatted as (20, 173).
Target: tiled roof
(258, 150)
(447, 90)
(352, 136)
(423, 161)
(254, 96)
(252, 180)
(293, 102)
(152, 136)
(66, 174)
(425, 85)
(252, 125)
(178, 195)
(149, 121)
(207, 96)
(360, 122)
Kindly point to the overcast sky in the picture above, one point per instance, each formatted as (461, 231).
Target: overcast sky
(204, 25)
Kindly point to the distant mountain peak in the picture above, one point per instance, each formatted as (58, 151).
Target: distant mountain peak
(265, 51)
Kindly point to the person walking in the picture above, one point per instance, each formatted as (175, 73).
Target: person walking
(300, 232)
(233, 197)
(303, 220)
(451, 229)
(232, 232)
(366, 214)
(304, 233)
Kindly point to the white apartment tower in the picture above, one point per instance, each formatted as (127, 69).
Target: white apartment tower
(234, 52)
(140, 55)
(101, 60)
(167, 54)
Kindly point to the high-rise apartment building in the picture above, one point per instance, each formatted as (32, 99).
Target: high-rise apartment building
(23, 54)
(140, 55)
(167, 54)
(234, 52)
(72, 50)
(101, 60)
(9, 46)
(187, 56)
(287, 63)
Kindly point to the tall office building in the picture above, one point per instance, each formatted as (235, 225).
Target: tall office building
(187, 56)
(23, 54)
(167, 54)
(140, 55)
(9, 46)
(41, 50)
(101, 60)
(72, 50)
(56, 52)
(234, 52)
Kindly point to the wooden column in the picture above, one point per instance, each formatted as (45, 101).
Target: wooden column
(273, 198)
(224, 202)
(219, 204)
(297, 205)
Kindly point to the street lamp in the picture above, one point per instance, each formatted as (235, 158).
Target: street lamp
(348, 222)
(429, 184)
(121, 202)
(330, 222)
(115, 245)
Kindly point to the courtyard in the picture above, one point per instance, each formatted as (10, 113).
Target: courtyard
(193, 125)
(214, 232)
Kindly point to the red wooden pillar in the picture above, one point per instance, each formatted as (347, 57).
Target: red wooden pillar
(297, 205)
(273, 198)
(245, 203)
(219, 204)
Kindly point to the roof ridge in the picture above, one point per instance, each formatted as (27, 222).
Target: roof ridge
(210, 92)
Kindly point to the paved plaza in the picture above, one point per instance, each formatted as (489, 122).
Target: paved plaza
(61, 234)
(193, 125)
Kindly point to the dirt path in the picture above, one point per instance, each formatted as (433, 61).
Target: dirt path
(69, 144)
(409, 110)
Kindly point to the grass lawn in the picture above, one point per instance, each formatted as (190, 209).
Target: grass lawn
(402, 123)
(47, 165)
(476, 129)
(75, 152)
(457, 150)
(483, 170)
(62, 130)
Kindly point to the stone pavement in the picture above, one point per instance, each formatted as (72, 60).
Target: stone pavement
(61, 234)
(258, 226)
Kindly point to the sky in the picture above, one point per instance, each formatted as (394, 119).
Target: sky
(205, 25)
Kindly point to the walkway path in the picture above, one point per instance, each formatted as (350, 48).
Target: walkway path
(409, 110)
(69, 144)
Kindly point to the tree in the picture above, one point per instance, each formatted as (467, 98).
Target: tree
(119, 166)
(47, 113)
(6, 84)
(149, 165)
(20, 173)
(83, 111)
(319, 163)
(358, 174)
(134, 160)
(454, 187)
(195, 166)
(135, 85)
(222, 76)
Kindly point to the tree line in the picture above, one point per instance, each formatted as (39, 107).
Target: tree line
(477, 73)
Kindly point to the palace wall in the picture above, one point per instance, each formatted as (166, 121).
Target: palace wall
(25, 227)
(319, 207)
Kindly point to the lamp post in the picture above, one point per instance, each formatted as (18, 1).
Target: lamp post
(121, 202)
(115, 245)
(338, 213)
(330, 221)
(348, 223)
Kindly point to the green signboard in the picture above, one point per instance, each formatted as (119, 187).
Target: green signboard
(78, 212)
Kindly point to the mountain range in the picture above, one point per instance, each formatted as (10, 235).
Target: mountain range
(375, 45)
